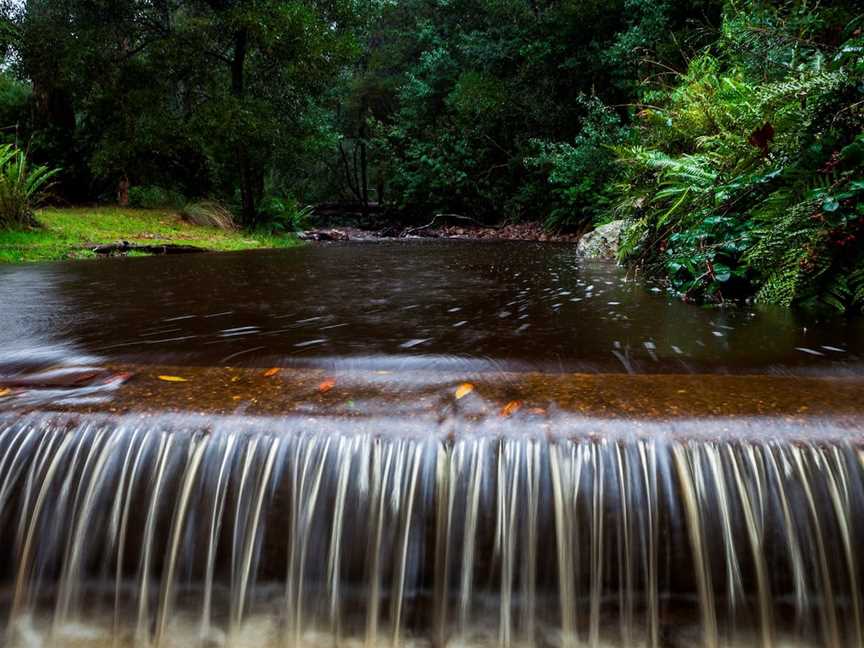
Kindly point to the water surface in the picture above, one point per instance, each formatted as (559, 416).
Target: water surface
(448, 305)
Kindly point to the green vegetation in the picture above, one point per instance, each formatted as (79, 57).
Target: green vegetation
(68, 233)
(183, 100)
(746, 174)
(22, 187)
(208, 213)
(728, 133)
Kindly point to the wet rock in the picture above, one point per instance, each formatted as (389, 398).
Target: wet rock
(324, 235)
(603, 242)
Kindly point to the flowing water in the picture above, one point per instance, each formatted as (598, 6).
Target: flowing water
(398, 525)
(447, 305)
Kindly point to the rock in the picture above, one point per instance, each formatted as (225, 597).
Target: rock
(324, 235)
(603, 242)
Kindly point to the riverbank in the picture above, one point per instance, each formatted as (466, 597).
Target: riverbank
(328, 230)
(72, 233)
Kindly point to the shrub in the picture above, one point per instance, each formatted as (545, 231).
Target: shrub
(14, 100)
(23, 187)
(152, 197)
(209, 213)
(279, 215)
(579, 174)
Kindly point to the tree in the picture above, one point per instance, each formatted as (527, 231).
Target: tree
(197, 93)
(451, 98)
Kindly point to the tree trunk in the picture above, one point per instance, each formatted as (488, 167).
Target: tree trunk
(238, 63)
(251, 180)
(379, 187)
(364, 178)
(123, 192)
(364, 164)
(350, 174)
(249, 184)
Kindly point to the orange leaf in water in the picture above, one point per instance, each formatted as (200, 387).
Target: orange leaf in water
(463, 390)
(172, 379)
(511, 408)
(327, 385)
(5, 391)
(272, 372)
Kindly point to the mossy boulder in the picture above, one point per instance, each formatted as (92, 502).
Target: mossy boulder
(603, 242)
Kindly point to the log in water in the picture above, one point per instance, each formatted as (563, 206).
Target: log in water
(210, 531)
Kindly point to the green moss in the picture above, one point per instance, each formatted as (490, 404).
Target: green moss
(67, 233)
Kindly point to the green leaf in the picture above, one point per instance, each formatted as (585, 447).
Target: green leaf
(722, 272)
(674, 267)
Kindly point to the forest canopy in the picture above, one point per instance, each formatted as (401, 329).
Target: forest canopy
(728, 135)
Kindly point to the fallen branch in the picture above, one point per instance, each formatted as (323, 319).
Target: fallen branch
(413, 230)
(126, 247)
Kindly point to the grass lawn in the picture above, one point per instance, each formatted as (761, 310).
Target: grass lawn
(66, 233)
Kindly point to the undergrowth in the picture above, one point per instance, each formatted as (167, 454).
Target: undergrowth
(748, 179)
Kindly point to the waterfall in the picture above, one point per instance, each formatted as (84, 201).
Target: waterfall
(182, 531)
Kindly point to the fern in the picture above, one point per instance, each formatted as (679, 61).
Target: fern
(800, 88)
(749, 167)
(855, 282)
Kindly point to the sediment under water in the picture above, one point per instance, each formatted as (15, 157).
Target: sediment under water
(187, 531)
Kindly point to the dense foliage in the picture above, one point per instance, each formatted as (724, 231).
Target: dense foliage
(745, 176)
(183, 98)
(730, 134)
(502, 108)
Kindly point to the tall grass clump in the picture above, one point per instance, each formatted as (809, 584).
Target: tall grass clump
(209, 213)
(23, 188)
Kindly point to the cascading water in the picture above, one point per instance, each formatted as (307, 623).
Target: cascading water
(183, 531)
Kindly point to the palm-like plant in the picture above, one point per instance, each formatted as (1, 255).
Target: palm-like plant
(23, 187)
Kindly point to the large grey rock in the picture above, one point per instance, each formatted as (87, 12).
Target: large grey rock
(603, 242)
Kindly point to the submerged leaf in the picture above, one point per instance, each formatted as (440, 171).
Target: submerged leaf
(5, 391)
(326, 385)
(511, 408)
(272, 372)
(463, 390)
(176, 379)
